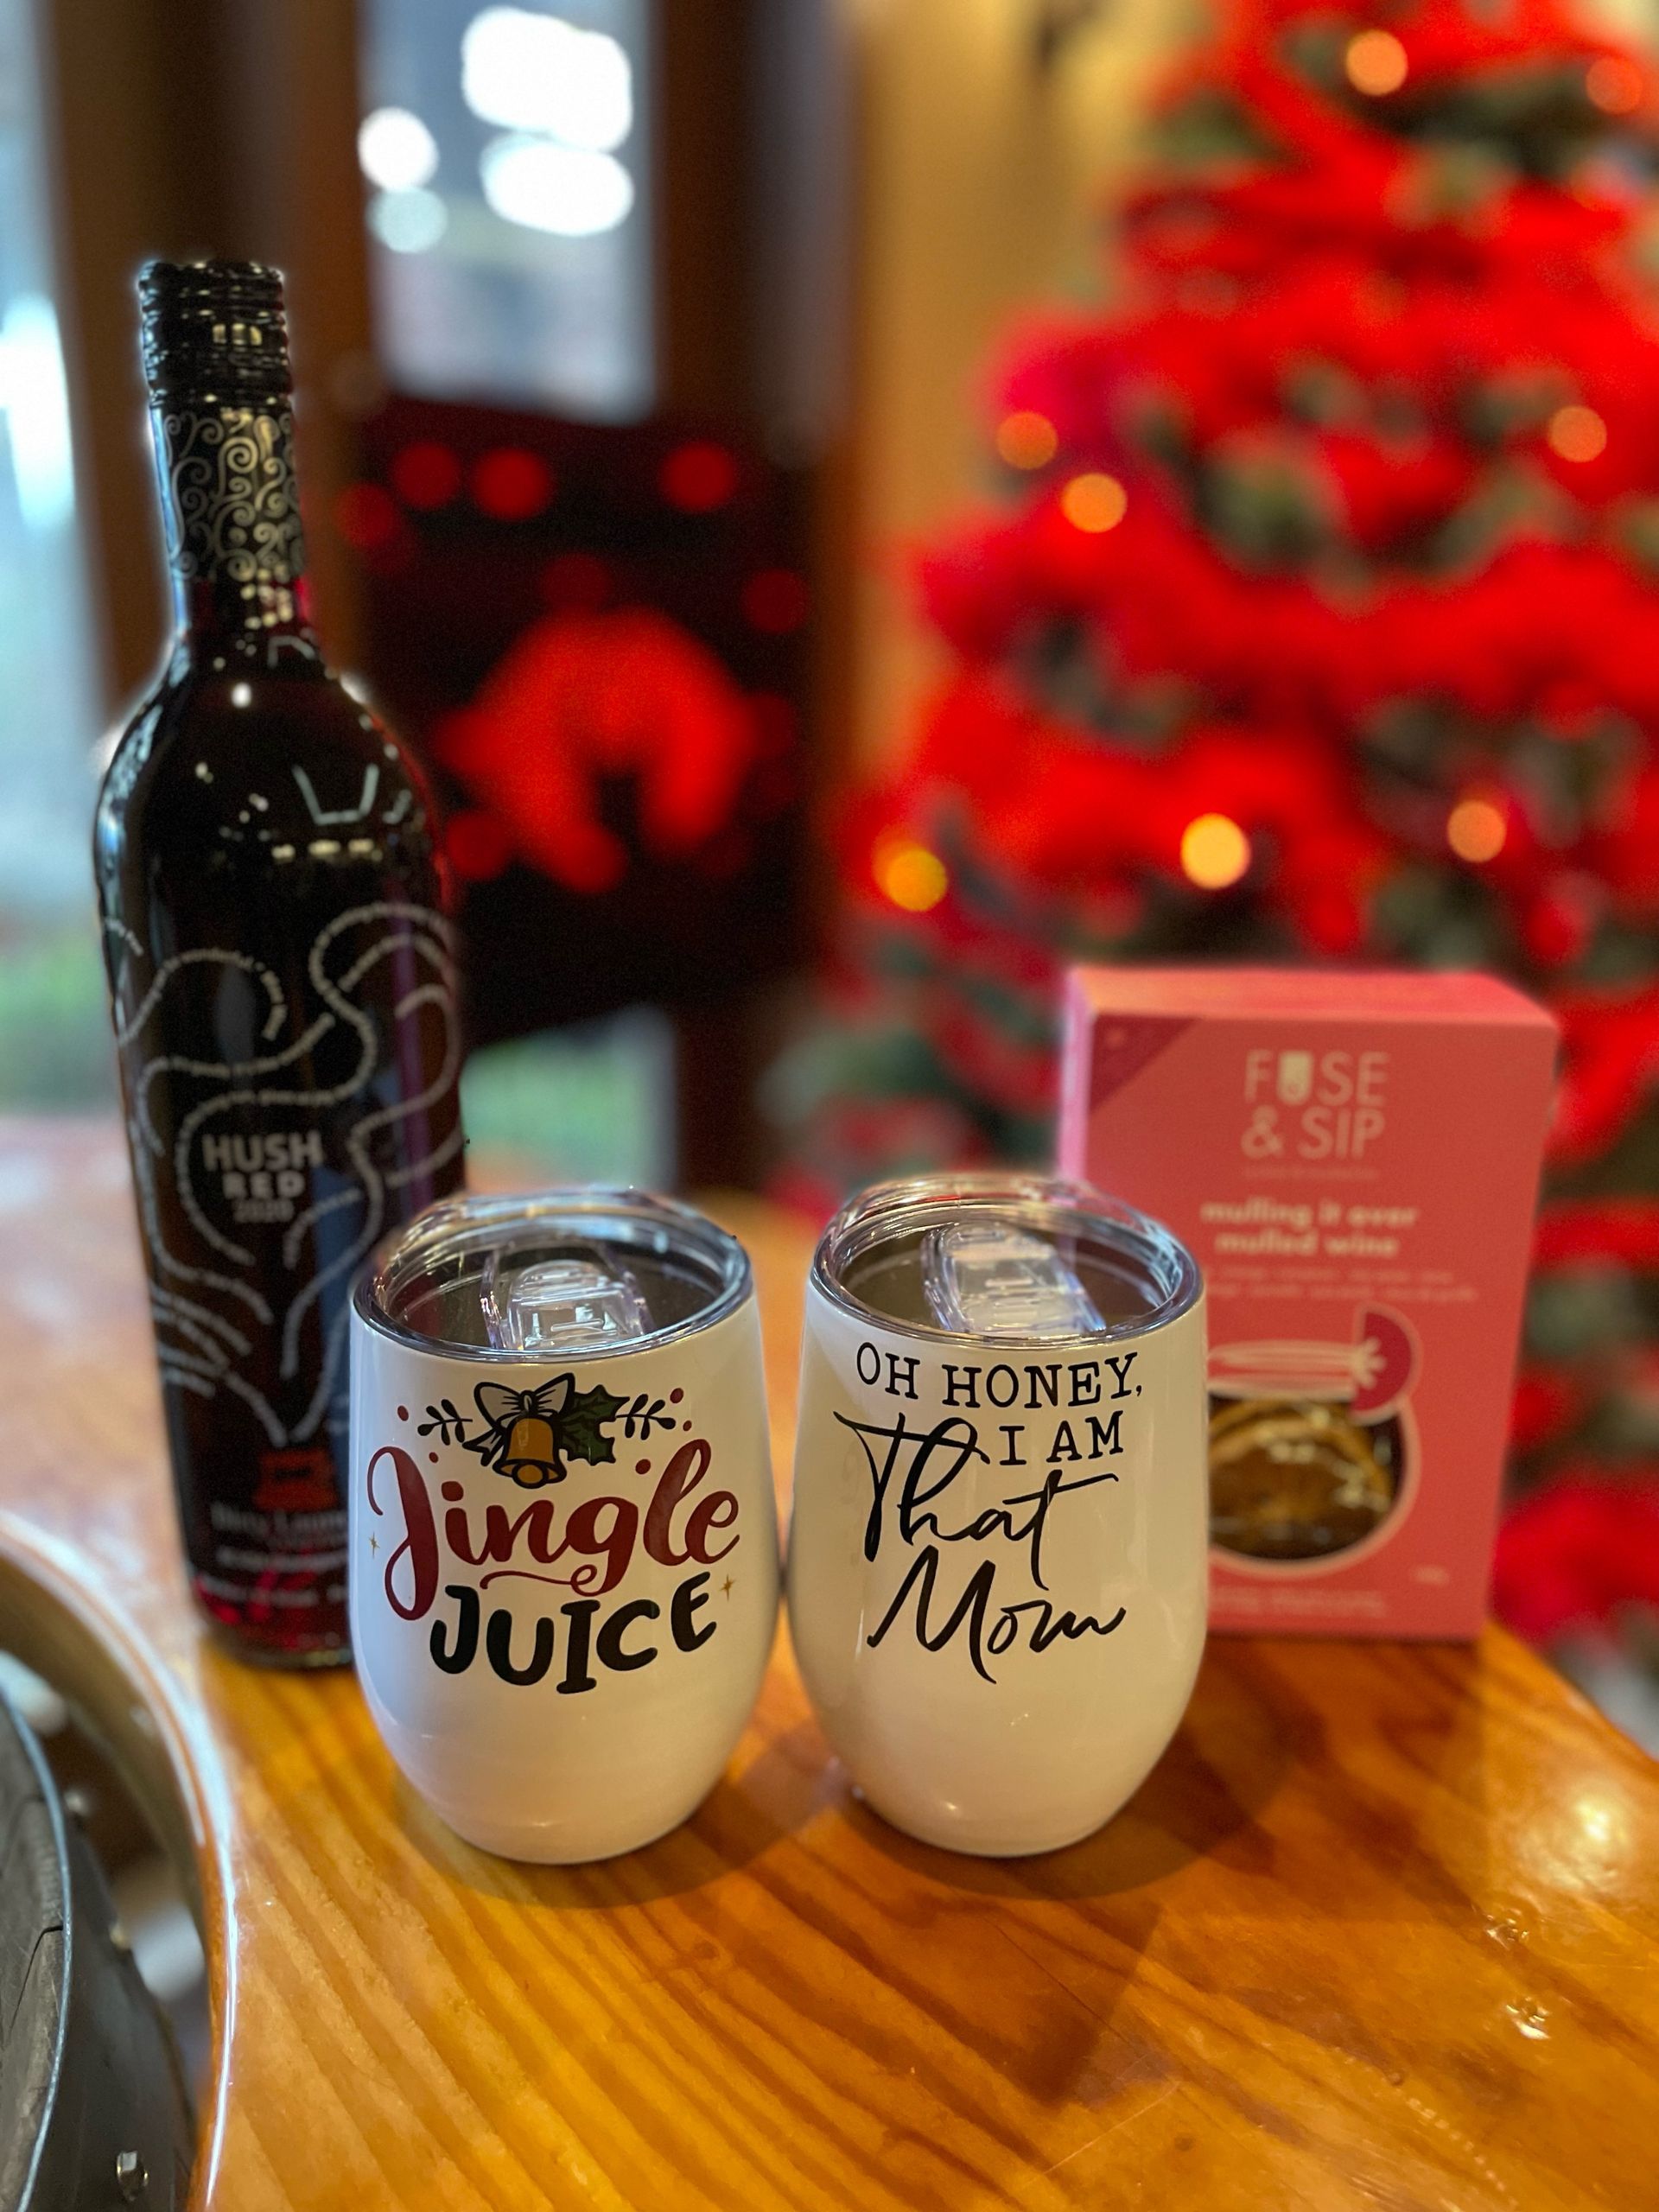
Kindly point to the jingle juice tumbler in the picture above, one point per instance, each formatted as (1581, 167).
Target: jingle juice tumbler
(997, 1558)
(563, 1542)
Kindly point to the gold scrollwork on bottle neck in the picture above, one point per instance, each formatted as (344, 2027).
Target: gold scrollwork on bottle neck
(231, 506)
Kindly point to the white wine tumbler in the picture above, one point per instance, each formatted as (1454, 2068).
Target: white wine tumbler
(563, 1539)
(998, 1553)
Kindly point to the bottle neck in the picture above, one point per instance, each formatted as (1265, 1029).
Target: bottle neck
(232, 518)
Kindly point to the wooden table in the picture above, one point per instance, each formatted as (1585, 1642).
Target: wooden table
(1381, 1931)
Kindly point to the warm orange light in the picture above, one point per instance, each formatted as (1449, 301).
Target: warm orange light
(908, 873)
(1576, 433)
(1376, 62)
(1094, 502)
(1476, 830)
(1614, 86)
(1215, 851)
(1027, 440)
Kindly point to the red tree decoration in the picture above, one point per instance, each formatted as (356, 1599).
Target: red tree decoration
(1322, 623)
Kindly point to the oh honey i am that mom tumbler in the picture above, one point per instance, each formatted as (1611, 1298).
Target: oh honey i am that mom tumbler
(564, 1540)
(998, 1553)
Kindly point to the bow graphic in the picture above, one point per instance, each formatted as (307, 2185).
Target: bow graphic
(529, 1434)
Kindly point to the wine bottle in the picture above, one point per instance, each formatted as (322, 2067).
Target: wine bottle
(282, 982)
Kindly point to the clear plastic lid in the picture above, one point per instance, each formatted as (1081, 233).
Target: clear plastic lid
(576, 1273)
(1004, 1259)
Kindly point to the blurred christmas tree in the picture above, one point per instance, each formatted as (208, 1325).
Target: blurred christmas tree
(1323, 622)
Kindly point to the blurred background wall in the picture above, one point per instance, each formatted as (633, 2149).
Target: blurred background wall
(990, 136)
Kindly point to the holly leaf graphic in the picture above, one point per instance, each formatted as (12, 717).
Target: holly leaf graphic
(582, 1425)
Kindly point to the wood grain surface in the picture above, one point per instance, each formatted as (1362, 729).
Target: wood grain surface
(1380, 1931)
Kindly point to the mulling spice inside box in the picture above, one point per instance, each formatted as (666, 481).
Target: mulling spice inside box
(1354, 1159)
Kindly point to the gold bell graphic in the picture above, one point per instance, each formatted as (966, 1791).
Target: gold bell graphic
(532, 1454)
(522, 1441)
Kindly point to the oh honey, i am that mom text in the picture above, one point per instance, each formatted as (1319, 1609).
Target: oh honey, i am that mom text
(913, 1472)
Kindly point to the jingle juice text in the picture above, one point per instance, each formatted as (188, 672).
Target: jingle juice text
(596, 1538)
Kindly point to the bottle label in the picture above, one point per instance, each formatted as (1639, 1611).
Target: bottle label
(265, 1174)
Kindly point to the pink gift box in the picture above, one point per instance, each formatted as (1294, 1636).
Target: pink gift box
(1354, 1160)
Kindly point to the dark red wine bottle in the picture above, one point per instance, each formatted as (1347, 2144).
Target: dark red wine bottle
(281, 981)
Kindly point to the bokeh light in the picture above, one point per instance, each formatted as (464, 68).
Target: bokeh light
(1027, 440)
(1215, 852)
(408, 222)
(395, 150)
(1576, 433)
(908, 873)
(425, 474)
(698, 476)
(511, 483)
(538, 72)
(544, 186)
(1614, 85)
(1375, 63)
(1094, 502)
(1475, 829)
